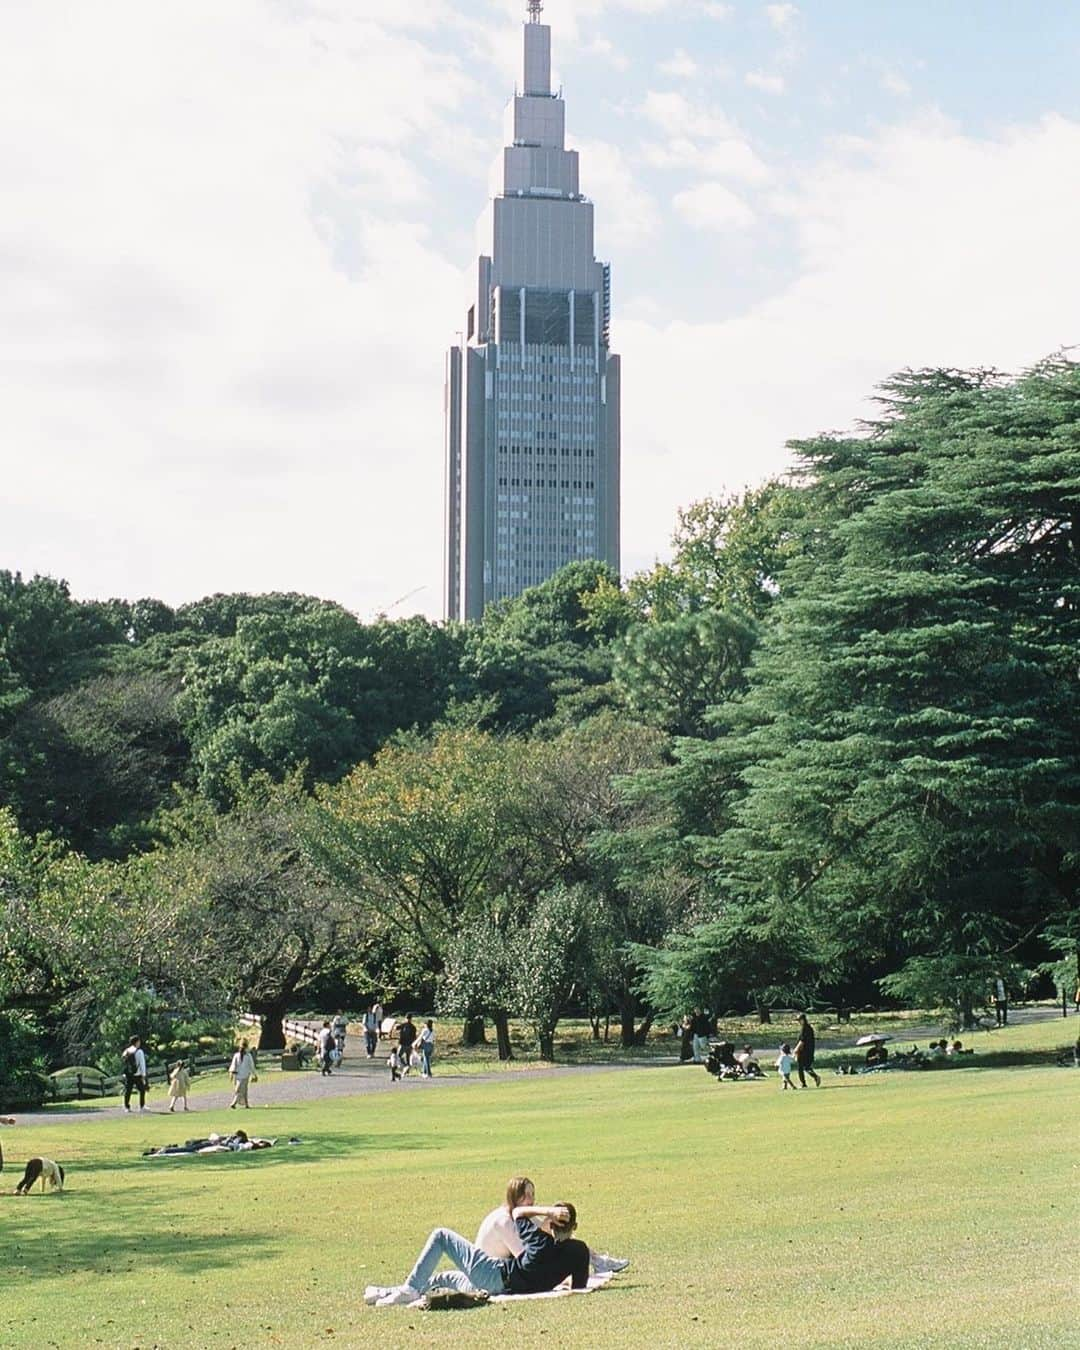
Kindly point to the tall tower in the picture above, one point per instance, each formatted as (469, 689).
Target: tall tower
(532, 391)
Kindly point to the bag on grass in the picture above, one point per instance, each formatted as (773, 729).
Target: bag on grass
(442, 1300)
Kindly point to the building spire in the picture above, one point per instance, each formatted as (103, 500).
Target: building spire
(536, 8)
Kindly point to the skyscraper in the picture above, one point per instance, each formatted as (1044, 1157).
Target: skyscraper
(532, 391)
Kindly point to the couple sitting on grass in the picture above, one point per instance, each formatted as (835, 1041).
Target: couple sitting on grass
(521, 1248)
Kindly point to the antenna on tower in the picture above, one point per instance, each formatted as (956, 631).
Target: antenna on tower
(536, 8)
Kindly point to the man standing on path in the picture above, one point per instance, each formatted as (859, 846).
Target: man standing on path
(134, 1058)
(406, 1037)
(1001, 1002)
(804, 1051)
(241, 1071)
(371, 1031)
(326, 1046)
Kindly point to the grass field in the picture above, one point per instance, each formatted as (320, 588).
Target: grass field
(933, 1209)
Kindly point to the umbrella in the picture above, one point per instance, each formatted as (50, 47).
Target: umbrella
(875, 1039)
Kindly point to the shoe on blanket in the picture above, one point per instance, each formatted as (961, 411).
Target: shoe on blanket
(400, 1297)
(374, 1292)
(604, 1264)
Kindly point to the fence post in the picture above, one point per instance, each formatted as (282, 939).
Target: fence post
(78, 1087)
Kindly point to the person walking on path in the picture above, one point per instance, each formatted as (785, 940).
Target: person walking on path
(242, 1072)
(804, 1051)
(1001, 1002)
(134, 1061)
(377, 1009)
(702, 1029)
(426, 1042)
(179, 1083)
(371, 1031)
(341, 1030)
(406, 1036)
(326, 1049)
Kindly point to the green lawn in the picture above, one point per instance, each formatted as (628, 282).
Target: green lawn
(909, 1210)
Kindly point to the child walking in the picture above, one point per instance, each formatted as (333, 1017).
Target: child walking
(179, 1083)
(785, 1062)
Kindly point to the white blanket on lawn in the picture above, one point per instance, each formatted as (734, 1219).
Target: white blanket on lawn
(595, 1282)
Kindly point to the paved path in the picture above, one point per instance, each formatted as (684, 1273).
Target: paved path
(357, 1075)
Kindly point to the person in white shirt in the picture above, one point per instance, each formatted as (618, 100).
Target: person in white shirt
(241, 1071)
(426, 1043)
(134, 1062)
(326, 1046)
(371, 1030)
(498, 1235)
(785, 1062)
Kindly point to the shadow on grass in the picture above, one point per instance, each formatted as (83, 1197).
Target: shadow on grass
(42, 1246)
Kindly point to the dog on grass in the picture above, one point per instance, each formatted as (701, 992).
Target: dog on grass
(43, 1170)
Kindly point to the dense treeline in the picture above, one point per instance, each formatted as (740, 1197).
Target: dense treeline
(830, 747)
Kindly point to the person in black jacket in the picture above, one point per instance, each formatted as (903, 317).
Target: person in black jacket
(550, 1253)
(804, 1051)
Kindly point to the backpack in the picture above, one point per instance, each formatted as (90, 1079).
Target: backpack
(444, 1300)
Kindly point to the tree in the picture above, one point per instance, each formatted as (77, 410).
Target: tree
(313, 690)
(911, 732)
(250, 896)
(420, 833)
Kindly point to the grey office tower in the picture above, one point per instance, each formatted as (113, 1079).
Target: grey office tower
(532, 392)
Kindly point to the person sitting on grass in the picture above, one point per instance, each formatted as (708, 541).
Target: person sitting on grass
(498, 1234)
(550, 1254)
(876, 1056)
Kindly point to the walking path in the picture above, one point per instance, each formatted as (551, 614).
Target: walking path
(357, 1076)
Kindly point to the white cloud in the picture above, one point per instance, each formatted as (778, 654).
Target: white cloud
(716, 10)
(211, 375)
(699, 138)
(918, 247)
(895, 84)
(627, 214)
(768, 84)
(607, 51)
(681, 65)
(782, 17)
(712, 206)
(729, 158)
(676, 115)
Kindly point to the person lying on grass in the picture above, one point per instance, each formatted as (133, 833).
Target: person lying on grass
(550, 1253)
(498, 1234)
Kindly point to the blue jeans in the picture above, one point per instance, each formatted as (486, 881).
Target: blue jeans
(425, 1051)
(475, 1269)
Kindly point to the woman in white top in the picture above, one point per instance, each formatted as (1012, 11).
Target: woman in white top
(498, 1236)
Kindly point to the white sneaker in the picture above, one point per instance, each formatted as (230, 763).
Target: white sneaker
(602, 1263)
(374, 1292)
(399, 1297)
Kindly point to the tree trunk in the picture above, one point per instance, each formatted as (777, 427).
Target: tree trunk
(967, 1014)
(271, 1016)
(629, 1034)
(594, 1022)
(502, 1035)
(546, 1039)
(764, 1013)
(472, 1033)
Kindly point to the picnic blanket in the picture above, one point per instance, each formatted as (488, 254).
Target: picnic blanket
(595, 1282)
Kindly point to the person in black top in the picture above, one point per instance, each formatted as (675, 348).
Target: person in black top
(550, 1254)
(804, 1051)
(406, 1036)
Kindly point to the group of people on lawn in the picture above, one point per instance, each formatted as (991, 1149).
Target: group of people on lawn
(520, 1248)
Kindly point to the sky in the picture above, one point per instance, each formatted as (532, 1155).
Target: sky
(237, 239)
